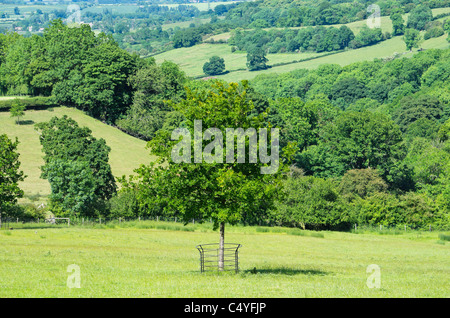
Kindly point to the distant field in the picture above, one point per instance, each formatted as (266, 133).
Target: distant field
(191, 59)
(159, 259)
(127, 152)
(381, 50)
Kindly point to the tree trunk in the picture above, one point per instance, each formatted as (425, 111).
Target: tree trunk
(221, 246)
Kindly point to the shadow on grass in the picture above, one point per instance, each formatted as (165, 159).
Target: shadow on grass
(285, 271)
(26, 122)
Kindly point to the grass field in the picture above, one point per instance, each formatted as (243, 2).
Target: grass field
(127, 152)
(140, 259)
(191, 59)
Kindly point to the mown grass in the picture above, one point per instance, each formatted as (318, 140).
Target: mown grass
(127, 152)
(130, 261)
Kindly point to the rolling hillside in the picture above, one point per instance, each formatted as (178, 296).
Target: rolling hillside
(191, 59)
(127, 152)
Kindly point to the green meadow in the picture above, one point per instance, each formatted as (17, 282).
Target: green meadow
(127, 152)
(191, 59)
(159, 259)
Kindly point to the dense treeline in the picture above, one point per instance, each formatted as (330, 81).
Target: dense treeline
(381, 125)
(254, 16)
(275, 13)
(79, 69)
(315, 39)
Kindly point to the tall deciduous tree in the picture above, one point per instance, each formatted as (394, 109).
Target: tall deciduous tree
(419, 17)
(72, 150)
(398, 24)
(10, 175)
(215, 66)
(412, 39)
(256, 59)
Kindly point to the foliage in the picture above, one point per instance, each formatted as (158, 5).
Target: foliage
(73, 65)
(433, 33)
(76, 165)
(362, 182)
(311, 203)
(10, 175)
(152, 85)
(256, 59)
(316, 39)
(224, 192)
(412, 38)
(215, 66)
(17, 110)
(419, 17)
(356, 140)
(398, 26)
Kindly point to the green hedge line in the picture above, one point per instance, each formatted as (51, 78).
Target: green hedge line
(39, 102)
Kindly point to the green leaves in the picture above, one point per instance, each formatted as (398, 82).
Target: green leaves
(76, 165)
(17, 110)
(10, 175)
(224, 192)
(215, 66)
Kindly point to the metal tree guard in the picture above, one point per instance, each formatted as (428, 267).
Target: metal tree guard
(209, 256)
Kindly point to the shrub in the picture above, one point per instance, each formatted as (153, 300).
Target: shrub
(433, 33)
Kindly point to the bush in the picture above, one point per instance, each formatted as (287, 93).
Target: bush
(26, 212)
(433, 33)
(124, 204)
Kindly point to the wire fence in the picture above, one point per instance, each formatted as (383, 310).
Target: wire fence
(16, 222)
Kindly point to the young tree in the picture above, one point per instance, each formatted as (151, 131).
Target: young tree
(412, 38)
(10, 176)
(17, 110)
(212, 187)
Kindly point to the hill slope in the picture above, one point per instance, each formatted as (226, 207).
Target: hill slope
(191, 59)
(127, 152)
